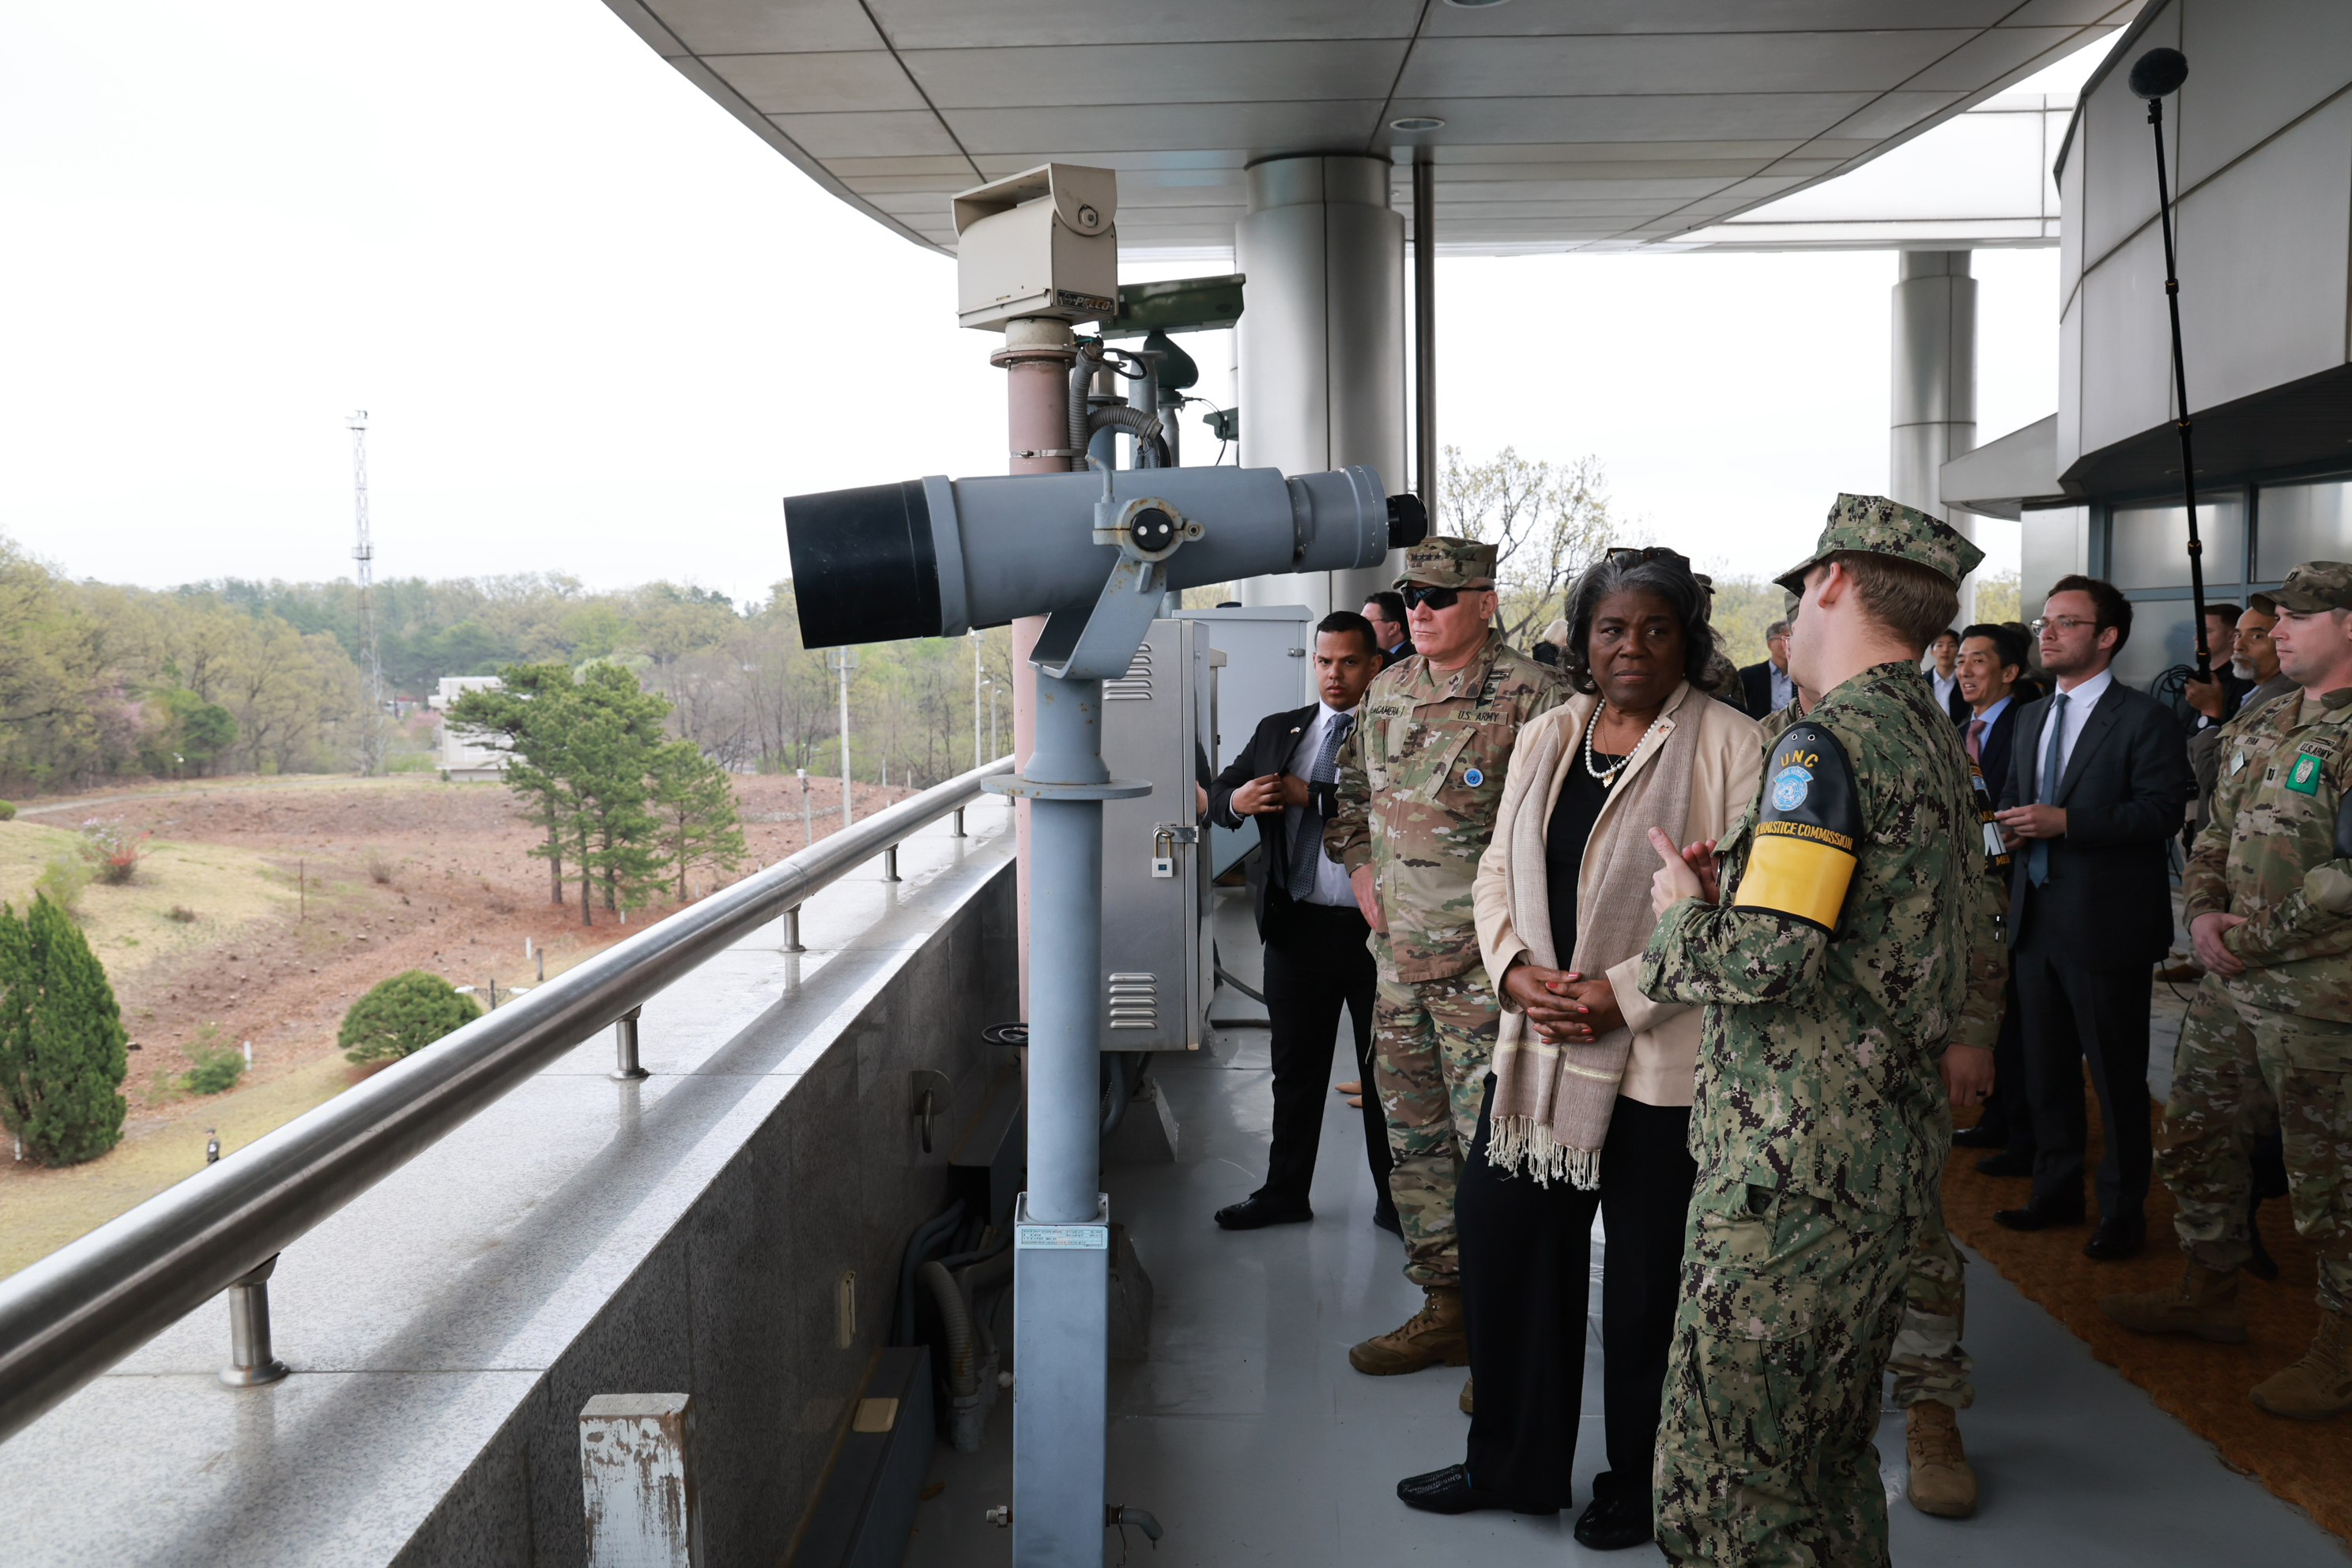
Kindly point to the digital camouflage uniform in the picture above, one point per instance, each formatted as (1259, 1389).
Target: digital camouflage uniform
(1819, 1124)
(1929, 1362)
(2272, 1048)
(1420, 780)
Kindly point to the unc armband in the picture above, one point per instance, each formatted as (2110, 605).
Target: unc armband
(1807, 834)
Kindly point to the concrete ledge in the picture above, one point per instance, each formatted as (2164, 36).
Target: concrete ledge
(581, 1236)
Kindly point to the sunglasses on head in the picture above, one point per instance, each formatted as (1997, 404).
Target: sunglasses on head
(1636, 555)
(1419, 594)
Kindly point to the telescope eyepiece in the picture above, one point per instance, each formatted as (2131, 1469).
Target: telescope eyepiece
(1408, 522)
(1153, 530)
(2158, 73)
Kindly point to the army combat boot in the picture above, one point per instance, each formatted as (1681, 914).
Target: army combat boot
(1942, 1482)
(2320, 1384)
(1430, 1336)
(2205, 1303)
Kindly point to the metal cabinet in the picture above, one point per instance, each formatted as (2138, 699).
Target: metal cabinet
(1156, 958)
(1268, 669)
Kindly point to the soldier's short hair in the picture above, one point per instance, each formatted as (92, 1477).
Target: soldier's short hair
(2108, 607)
(1392, 604)
(1343, 622)
(1662, 573)
(2223, 610)
(1916, 604)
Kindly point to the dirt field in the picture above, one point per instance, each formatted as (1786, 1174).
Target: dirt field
(303, 895)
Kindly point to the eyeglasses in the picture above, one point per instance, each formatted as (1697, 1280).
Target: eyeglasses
(1420, 594)
(2040, 624)
(1636, 555)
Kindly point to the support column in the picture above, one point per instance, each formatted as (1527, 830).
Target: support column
(1933, 410)
(1322, 342)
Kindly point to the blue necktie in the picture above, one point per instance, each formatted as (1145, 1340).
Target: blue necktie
(1307, 839)
(2037, 860)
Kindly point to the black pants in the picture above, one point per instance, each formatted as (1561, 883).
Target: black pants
(1315, 964)
(1526, 1288)
(2010, 1112)
(2075, 1015)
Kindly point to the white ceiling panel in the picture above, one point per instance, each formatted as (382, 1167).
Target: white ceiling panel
(819, 84)
(1607, 124)
(1159, 73)
(1728, 63)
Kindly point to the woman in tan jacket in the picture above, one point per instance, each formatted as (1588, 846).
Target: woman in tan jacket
(1589, 1104)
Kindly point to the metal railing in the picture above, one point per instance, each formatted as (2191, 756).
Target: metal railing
(69, 1317)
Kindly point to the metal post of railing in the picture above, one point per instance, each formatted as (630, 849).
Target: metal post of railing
(624, 1047)
(959, 832)
(792, 930)
(890, 864)
(250, 1365)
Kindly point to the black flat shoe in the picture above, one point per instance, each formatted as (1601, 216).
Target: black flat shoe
(1387, 1220)
(2041, 1214)
(2004, 1165)
(1449, 1491)
(2116, 1237)
(1985, 1134)
(1255, 1213)
(1616, 1518)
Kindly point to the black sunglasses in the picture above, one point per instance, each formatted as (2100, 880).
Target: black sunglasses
(1420, 593)
(1636, 555)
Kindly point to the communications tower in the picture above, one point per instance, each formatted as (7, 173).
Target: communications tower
(371, 657)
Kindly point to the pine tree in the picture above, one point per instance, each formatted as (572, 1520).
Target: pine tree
(695, 800)
(62, 1043)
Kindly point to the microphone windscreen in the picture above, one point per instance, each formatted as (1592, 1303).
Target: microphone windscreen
(2158, 73)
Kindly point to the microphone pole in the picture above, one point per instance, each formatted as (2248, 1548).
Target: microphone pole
(2155, 76)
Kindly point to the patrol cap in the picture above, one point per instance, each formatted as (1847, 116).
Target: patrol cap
(1877, 526)
(1442, 563)
(2316, 585)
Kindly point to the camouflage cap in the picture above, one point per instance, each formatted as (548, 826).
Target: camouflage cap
(2316, 585)
(1880, 527)
(1442, 563)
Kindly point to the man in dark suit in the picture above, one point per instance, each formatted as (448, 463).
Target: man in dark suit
(1765, 685)
(1317, 960)
(1385, 610)
(2098, 778)
(1991, 658)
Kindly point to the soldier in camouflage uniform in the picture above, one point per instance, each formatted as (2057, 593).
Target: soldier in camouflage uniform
(1932, 1370)
(2267, 1042)
(1420, 780)
(1857, 939)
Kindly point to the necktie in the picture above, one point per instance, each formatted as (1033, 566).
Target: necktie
(1306, 836)
(2037, 860)
(1976, 740)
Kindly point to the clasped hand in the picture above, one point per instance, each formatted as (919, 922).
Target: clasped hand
(1263, 797)
(1685, 873)
(1567, 1008)
(2205, 934)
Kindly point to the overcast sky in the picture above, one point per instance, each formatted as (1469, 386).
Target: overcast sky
(601, 329)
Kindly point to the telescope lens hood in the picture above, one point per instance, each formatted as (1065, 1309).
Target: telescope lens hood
(863, 568)
(1408, 522)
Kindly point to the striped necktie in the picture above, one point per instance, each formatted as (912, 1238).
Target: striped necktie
(2037, 860)
(1306, 836)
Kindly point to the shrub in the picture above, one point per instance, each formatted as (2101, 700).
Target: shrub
(381, 866)
(181, 913)
(218, 1069)
(404, 1014)
(7, 811)
(62, 882)
(62, 1043)
(113, 849)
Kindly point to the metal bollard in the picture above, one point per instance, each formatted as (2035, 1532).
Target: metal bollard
(792, 930)
(250, 1362)
(624, 1047)
(959, 832)
(890, 864)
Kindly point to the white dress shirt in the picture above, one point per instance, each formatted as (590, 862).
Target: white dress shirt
(1331, 884)
(1945, 685)
(2079, 703)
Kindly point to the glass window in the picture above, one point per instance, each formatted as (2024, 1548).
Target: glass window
(2163, 634)
(2302, 522)
(2147, 546)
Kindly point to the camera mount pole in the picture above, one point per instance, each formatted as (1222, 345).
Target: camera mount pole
(2155, 76)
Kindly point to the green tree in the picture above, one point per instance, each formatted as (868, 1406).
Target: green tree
(402, 1016)
(609, 758)
(695, 801)
(62, 1043)
(1547, 521)
(526, 716)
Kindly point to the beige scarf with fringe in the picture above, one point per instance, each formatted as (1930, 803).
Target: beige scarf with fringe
(1552, 1102)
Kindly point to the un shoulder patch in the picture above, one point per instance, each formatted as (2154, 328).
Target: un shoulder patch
(1808, 837)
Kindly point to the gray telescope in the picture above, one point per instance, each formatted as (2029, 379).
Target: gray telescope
(935, 557)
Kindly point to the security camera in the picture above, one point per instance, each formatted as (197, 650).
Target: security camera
(935, 557)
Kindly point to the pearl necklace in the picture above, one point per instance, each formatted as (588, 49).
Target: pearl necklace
(1608, 778)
